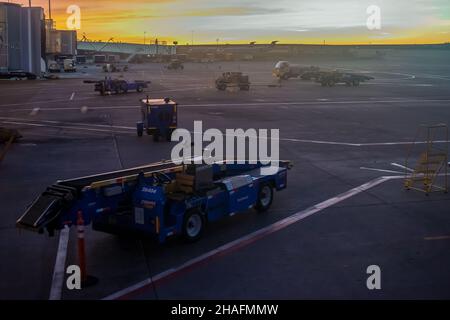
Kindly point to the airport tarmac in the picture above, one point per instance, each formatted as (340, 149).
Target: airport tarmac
(345, 207)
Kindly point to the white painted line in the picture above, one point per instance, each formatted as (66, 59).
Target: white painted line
(65, 123)
(322, 142)
(407, 75)
(313, 102)
(252, 237)
(35, 111)
(401, 167)
(42, 102)
(347, 143)
(250, 104)
(60, 265)
(381, 170)
(398, 143)
(27, 144)
(435, 76)
(81, 129)
(72, 96)
(59, 124)
(437, 238)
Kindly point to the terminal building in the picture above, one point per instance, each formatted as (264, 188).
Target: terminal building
(28, 40)
(99, 52)
(59, 42)
(22, 38)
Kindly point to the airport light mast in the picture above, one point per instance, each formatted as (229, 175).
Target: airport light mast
(30, 60)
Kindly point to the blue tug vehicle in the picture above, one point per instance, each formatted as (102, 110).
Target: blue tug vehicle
(159, 118)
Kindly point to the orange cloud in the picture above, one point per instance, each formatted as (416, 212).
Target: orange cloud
(175, 19)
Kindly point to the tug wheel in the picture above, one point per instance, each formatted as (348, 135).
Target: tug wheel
(265, 198)
(193, 225)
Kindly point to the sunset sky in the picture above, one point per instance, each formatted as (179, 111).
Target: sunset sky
(234, 21)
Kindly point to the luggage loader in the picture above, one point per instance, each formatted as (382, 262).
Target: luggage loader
(161, 200)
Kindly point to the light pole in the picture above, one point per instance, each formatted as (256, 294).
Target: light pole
(30, 60)
(175, 43)
(192, 38)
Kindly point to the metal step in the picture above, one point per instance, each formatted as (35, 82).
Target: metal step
(46, 208)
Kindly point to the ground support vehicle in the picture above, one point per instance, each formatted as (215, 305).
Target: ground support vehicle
(284, 70)
(117, 86)
(69, 65)
(114, 68)
(159, 118)
(332, 78)
(175, 65)
(160, 200)
(54, 67)
(17, 75)
(233, 79)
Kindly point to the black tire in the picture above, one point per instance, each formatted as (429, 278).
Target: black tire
(265, 198)
(193, 225)
(139, 89)
(355, 83)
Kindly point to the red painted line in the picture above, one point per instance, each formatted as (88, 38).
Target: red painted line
(141, 287)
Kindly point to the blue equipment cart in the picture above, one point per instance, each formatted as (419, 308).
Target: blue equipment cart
(159, 118)
(117, 86)
(160, 200)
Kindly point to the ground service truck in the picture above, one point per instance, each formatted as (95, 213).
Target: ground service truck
(160, 200)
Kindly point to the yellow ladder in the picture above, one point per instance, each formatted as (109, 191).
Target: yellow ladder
(432, 165)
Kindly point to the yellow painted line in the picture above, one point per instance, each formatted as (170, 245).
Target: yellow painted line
(437, 238)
